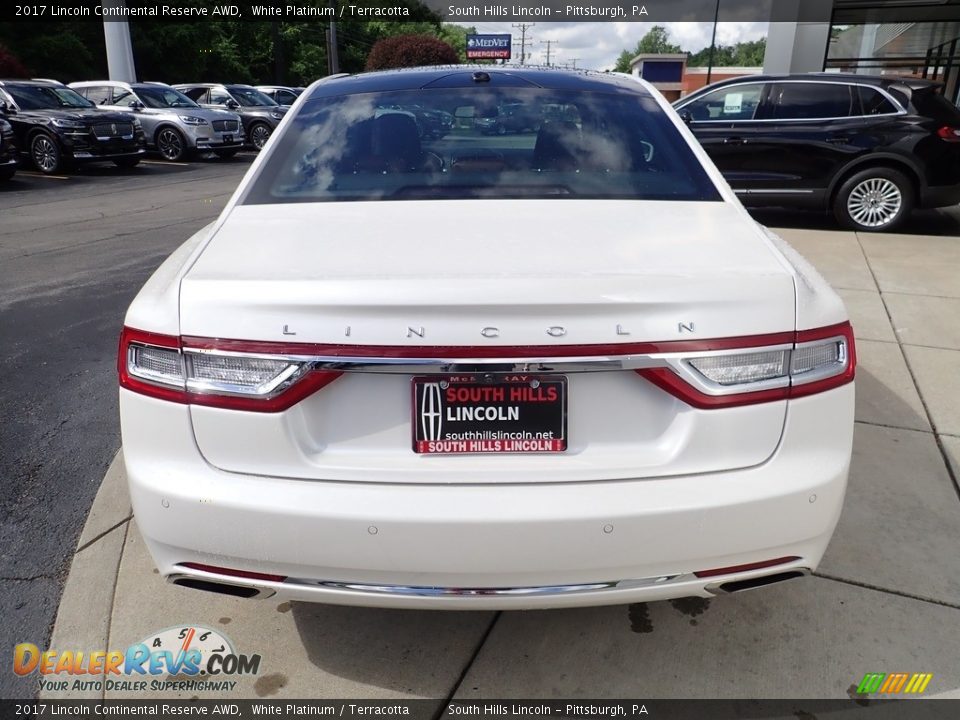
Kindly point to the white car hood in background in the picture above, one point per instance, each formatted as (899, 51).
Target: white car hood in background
(450, 268)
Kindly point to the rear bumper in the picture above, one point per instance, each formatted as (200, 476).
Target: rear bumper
(393, 545)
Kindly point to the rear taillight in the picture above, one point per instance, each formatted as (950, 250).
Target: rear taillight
(269, 377)
(815, 361)
(162, 367)
(948, 133)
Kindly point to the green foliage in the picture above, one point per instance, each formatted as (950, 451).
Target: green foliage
(456, 37)
(742, 54)
(10, 66)
(67, 51)
(410, 51)
(657, 40)
(225, 50)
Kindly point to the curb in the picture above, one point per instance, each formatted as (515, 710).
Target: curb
(86, 606)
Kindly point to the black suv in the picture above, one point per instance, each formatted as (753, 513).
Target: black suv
(8, 151)
(870, 149)
(259, 114)
(57, 127)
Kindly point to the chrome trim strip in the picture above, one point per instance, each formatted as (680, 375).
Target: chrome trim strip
(532, 591)
(748, 191)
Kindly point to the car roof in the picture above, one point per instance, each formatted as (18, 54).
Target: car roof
(111, 83)
(464, 76)
(34, 83)
(877, 80)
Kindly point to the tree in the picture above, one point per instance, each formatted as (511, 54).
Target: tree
(655, 42)
(10, 66)
(741, 54)
(410, 51)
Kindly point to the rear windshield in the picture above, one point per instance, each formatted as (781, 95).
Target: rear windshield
(164, 97)
(467, 143)
(931, 103)
(248, 97)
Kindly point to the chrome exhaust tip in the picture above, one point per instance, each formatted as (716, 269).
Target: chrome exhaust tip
(222, 588)
(735, 586)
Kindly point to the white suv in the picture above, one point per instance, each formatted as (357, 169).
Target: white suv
(173, 124)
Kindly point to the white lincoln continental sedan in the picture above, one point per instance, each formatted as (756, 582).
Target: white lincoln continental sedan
(550, 364)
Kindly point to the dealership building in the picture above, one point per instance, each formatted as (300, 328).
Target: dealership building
(915, 38)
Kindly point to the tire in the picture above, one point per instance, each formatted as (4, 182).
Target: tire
(225, 154)
(171, 144)
(127, 162)
(45, 154)
(877, 199)
(259, 134)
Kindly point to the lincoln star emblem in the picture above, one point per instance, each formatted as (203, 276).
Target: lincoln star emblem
(113, 129)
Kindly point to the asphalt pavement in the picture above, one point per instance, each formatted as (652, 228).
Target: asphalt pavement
(74, 250)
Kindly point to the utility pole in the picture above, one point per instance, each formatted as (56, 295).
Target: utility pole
(523, 27)
(333, 59)
(574, 61)
(549, 43)
(713, 41)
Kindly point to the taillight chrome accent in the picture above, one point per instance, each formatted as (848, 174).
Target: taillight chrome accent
(270, 377)
(816, 360)
(161, 366)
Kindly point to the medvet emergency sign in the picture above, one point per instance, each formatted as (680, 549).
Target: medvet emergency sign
(488, 47)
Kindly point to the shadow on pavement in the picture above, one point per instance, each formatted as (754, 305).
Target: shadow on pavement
(944, 221)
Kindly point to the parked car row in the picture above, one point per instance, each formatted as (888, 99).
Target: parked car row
(56, 126)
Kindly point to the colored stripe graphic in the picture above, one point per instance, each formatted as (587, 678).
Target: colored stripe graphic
(892, 683)
(870, 683)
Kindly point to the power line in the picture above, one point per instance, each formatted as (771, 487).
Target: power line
(522, 27)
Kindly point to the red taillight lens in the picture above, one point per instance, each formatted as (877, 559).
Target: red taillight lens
(950, 134)
(745, 568)
(816, 360)
(162, 366)
(246, 574)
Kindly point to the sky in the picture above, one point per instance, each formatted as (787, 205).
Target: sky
(597, 45)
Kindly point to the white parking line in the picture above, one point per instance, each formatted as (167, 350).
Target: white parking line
(163, 162)
(30, 173)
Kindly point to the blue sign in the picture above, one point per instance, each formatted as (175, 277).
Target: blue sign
(488, 47)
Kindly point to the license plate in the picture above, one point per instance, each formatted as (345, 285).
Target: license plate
(461, 414)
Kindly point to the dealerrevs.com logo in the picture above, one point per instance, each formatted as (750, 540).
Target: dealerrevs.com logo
(198, 657)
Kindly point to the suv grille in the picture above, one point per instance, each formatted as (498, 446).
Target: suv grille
(107, 130)
(225, 125)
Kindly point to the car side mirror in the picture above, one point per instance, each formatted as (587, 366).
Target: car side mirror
(232, 104)
(136, 105)
(7, 108)
(686, 116)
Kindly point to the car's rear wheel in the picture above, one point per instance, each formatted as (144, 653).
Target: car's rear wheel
(45, 154)
(127, 162)
(171, 144)
(225, 154)
(874, 200)
(259, 134)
